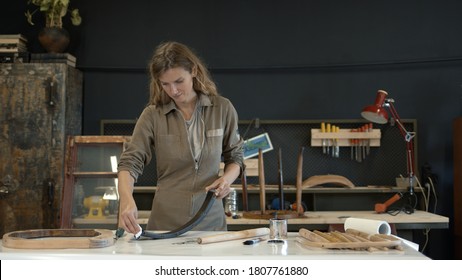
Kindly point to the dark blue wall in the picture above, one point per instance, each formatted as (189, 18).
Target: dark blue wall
(292, 59)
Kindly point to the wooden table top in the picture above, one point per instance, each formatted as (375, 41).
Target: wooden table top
(418, 219)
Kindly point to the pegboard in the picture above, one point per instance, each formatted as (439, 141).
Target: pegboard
(380, 167)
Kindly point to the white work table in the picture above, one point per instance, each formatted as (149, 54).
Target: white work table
(166, 249)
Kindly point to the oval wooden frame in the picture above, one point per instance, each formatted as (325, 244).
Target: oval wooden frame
(58, 239)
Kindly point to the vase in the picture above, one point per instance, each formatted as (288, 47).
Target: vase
(54, 39)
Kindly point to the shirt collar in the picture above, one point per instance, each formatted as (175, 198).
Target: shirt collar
(204, 100)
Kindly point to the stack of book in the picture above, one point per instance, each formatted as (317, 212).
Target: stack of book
(13, 48)
(11, 43)
(67, 58)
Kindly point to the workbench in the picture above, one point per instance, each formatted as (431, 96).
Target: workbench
(402, 224)
(169, 249)
(321, 220)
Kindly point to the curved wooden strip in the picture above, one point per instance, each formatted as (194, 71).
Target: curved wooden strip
(58, 239)
(200, 215)
(318, 180)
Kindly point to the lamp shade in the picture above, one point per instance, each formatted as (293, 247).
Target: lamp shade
(376, 112)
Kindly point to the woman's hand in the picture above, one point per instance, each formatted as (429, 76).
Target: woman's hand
(128, 215)
(222, 185)
(128, 212)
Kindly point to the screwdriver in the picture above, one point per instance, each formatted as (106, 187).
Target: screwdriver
(352, 143)
(353, 147)
(364, 141)
(369, 129)
(328, 140)
(337, 149)
(323, 129)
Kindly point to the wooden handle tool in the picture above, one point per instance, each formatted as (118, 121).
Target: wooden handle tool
(323, 129)
(233, 235)
(328, 130)
(382, 207)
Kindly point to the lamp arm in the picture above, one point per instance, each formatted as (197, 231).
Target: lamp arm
(406, 134)
(408, 137)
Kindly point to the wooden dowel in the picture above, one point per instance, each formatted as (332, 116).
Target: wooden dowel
(299, 181)
(233, 235)
(245, 205)
(281, 183)
(261, 177)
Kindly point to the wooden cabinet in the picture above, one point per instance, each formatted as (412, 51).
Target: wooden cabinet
(90, 194)
(40, 105)
(457, 128)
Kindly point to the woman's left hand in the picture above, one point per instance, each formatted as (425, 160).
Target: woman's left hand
(221, 187)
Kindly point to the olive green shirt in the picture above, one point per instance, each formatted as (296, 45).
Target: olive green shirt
(161, 132)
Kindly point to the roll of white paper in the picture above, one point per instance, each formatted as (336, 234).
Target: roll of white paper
(367, 225)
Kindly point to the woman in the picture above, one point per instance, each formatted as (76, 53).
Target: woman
(188, 127)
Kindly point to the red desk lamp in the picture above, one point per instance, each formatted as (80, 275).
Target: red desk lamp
(376, 113)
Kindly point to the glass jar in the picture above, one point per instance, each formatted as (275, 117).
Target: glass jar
(231, 204)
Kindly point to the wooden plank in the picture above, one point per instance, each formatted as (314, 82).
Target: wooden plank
(101, 139)
(344, 137)
(338, 217)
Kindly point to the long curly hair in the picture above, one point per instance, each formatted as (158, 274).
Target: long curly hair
(170, 55)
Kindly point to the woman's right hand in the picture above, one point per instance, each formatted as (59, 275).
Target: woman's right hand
(128, 215)
(128, 212)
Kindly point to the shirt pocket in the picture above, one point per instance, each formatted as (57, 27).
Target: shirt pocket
(169, 146)
(215, 140)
